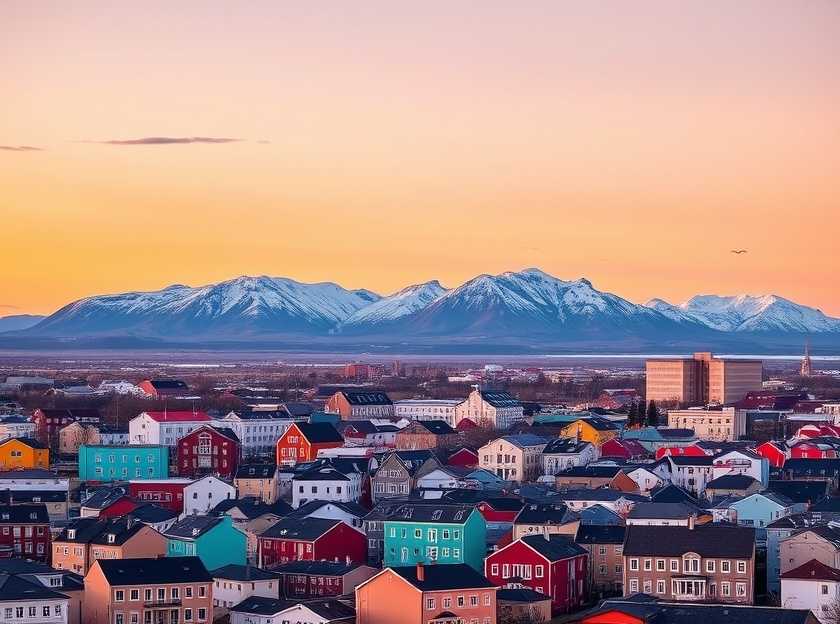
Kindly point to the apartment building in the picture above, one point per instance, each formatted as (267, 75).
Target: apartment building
(701, 379)
(727, 424)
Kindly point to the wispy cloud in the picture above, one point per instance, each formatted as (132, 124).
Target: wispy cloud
(8, 306)
(167, 141)
(20, 148)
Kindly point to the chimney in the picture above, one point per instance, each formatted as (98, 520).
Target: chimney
(691, 522)
(421, 572)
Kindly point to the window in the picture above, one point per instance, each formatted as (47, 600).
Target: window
(724, 567)
(634, 586)
(742, 567)
(430, 603)
(710, 565)
(119, 619)
(824, 590)
(740, 589)
(660, 586)
(539, 571)
(202, 614)
(648, 565)
(202, 591)
(634, 564)
(134, 594)
(660, 565)
(494, 569)
(724, 589)
(119, 595)
(602, 550)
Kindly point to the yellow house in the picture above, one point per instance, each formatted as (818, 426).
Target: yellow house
(591, 429)
(23, 453)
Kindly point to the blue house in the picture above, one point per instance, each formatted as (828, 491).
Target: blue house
(213, 539)
(437, 533)
(763, 508)
(98, 462)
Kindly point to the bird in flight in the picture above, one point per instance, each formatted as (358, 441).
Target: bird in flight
(739, 251)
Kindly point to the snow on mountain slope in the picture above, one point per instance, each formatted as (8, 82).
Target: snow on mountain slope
(403, 303)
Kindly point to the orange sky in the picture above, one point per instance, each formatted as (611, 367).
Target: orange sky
(390, 143)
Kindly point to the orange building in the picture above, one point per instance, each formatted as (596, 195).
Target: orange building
(701, 379)
(23, 453)
(302, 441)
(440, 594)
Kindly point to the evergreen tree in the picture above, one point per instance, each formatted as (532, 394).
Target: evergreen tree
(632, 416)
(652, 414)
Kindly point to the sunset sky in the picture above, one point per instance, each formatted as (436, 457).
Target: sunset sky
(383, 143)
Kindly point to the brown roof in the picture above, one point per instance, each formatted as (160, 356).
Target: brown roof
(813, 570)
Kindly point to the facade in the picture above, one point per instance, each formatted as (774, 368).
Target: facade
(360, 404)
(497, 410)
(701, 380)
(763, 508)
(168, 493)
(691, 473)
(605, 546)
(71, 437)
(551, 565)
(591, 429)
(122, 591)
(121, 463)
(814, 586)
(311, 539)
(48, 422)
(821, 543)
(257, 431)
(165, 427)
(302, 441)
(545, 519)
(398, 472)
(562, 453)
(426, 434)
(213, 539)
(428, 409)
(317, 579)
(26, 453)
(258, 480)
(711, 562)
(16, 426)
(25, 532)
(234, 583)
(208, 450)
(724, 424)
(205, 493)
(514, 457)
(326, 483)
(426, 594)
(274, 611)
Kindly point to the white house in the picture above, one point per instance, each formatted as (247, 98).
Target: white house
(257, 431)
(202, 495)
(448, 478)
(513, 457)
(562, 453)
(166, 427)
(16, 426)
(691, 473)
(428, 409)
(111, 436)
(351, 514)
(33, 479)
(813, 586)
(498, 410)
(258, 610)
(33, 597)
(645, 478)
(742, 462)
(326, 483)
(234, 583)
(111, 386)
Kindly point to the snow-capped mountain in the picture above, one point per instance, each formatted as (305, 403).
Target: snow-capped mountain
(746, 313)
(406, 302)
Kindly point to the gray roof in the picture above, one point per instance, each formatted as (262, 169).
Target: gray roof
(668, 511)
(444, 513)
(192, 527)
(707, 540)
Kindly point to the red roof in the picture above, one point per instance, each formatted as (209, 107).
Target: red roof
(813, 570)
(466, 423)
(181, 416)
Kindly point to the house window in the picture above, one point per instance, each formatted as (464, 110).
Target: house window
(724, 567)
(710, 565)
(494, 569)
(740, 589)
(539, 571)
(724, 589)
(648, 565)
(824, 590)
(660, 586)
(634, 564)
(742, 567)
(430, 603)
(119, 595)
(660, 565)
(634, 586)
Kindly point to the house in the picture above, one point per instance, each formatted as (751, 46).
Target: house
(463, 457)
(523, 605)
(16, 426)
(428, 409)
(213, 539)
(550, 564)
(350, 513)
(234, 583)
(163, 388)
(615, 500)
(692, 450)
(302, 441)
(722, 424)
(259, 480)
(360, 404)
(168, 493)
(441, 533)
(666, 514)
(446, 478)
(205, 493)
(693, 563)
(366, 433)
(121, 463)
(32, 585)
(514, 457)
(691, 473)
(258, 431)
(397, 473)
(493, 409)
(646, 477)
(373, 525)
(811, 493)
(605, 547)
(592, 429)
(72, 436)
(594, 476)
(173, 588)
(48, 422)
(84, 540)
(311, 539)
(732, 485)
(562, 453)
(814, 586)
(598, 515)
(545, 519)
(56, 501)
(422, 594)
(624, 450)
(317, 579)
(827, 470)
(252, 516)
(655, 438)
(326, 483)
(25, 532)
(776, 453)
(157, 517)
(426, 434)
(271, 611)
(763, 508)
(26, 453)
(821, 542)
(744, 462)
(166, 427)
(208, 450)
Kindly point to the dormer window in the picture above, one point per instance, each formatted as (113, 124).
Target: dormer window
(111, 538)
(71, 534)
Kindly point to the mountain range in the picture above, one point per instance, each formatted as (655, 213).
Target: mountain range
(524, 311)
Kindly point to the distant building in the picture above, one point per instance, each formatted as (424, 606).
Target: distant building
(258, 431)
(514, 457)
(495, 409)
(805, 368)
(725, 424)
(120, 463)
(162, 388)
(208, 450)
(302, 441)
(360, 404)
(166, 427)
(426, 434)
(25, 532)
(702, 379)
(48, 421)
(428, 409)
(17, 453)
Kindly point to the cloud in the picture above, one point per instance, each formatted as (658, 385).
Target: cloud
(20, 148)
(8, 306)
(264, 142)
(168, 141)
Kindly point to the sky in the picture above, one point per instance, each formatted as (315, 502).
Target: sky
(378, 144)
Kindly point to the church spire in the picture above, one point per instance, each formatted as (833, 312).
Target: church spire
(805, 367)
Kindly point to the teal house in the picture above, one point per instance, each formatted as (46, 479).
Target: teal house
(435, 533)
(761, 509)
(213, 539)
(98, 462)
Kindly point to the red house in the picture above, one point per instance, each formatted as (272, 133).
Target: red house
(814, 449)
(550, 564)
(500, 508)
(25, 532)
(623, 449)
(464, 457)
(168, 493)
(775, 452)
(311, 539)
(317, 579)
(208, 450)
(120, 507)
(681, 451)
(302, 441)
(48, 421)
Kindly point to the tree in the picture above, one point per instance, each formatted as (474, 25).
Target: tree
(652, 414)
(632, 416)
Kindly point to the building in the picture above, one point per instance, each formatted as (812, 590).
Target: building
(366, 433)
(202, 495)
(120, 591)
(701, 380)
(664, 514)
(85, 540)
(821, 542)
(732, 485)
(281, 611)
(327, 483)
(591, 429)
(693, 563)
(605, 546)
(428, 409)
(311, 539)
(360, 404)
(25, 532)
(422, 594)
(257, 431)
(306, 580)
(213, 539)
(71, 437)
(168, 493)
(523, 605)
(16, 426)
(545, 519)
(258, 480)
(121, 463)
(17, 453)
(626, 449)
(48, 422)
(208, 450)
(435, 533)
(514, 457)
(464, 457)
(166, 427)
(590, 476)
(398, 472)
(494, 409)
(163, 388)
(562, 453)
(26, 598)
(426, 434)
(550, 564)
(302, 441)
(691, 473)
(814, 586)
(723, 424)
(234, 583)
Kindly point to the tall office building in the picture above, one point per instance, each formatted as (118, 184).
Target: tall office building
(701, 379)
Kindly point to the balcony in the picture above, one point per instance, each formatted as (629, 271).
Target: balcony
(166, 603)
(689, 588)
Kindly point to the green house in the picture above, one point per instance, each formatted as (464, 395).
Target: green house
(213, 539)
(438, 533)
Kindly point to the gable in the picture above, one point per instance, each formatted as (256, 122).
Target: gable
(612, 617)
